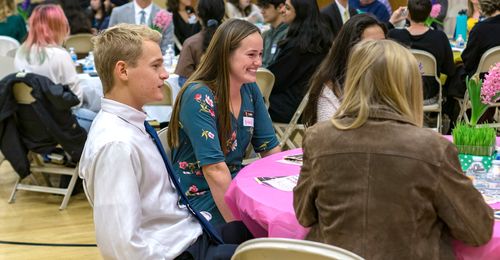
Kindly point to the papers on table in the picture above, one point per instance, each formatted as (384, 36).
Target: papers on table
(295, 159)
(284, 183)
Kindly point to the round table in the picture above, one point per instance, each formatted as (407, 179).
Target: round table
(268, 212)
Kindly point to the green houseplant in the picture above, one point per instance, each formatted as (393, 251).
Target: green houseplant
(471, 138)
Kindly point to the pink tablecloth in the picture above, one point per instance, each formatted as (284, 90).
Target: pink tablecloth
(268, 212)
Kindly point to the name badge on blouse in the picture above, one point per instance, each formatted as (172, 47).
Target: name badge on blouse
(273, 48)
(248, 118)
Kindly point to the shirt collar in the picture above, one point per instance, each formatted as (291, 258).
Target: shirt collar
(148, 9)
(385, 113)
(341, 7)
(125, 112)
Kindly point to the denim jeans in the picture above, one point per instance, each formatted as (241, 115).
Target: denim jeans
(84, 117)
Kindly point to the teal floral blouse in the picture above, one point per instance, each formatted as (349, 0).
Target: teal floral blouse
(200, 146)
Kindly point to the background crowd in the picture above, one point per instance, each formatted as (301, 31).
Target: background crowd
(350, 60)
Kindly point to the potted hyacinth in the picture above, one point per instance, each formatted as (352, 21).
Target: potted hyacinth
(161, 21)
(471, 138)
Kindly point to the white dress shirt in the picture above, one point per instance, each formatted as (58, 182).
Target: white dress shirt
(344, 11)
(328, 104)
(138, 9)
(57, 66)
(136, 214)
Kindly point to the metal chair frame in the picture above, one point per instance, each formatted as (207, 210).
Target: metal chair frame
(429, 68)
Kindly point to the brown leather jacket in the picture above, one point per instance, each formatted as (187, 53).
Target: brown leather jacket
(388, 190)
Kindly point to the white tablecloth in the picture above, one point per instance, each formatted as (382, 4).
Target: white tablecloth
(92, 94)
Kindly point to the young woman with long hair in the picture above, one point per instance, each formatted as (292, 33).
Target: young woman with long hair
(374, 181)
(216, 115)
(299, 54)
(327, 83)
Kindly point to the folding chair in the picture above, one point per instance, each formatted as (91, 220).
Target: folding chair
(489, 58)
(6, 66)
(178, 44)
(290, 249)
(162, 134)
(265, 81)
(22, 94)
(167, 96)
(7, 44)
(81, 42)
(288, 133)
(12, 53)
(429, 68)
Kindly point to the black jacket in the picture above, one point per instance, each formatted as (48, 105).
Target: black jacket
(483, 36)
(39, 126)
(292, 70)
(333, 18)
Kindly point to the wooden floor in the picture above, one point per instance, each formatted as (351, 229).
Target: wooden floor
(35, 217)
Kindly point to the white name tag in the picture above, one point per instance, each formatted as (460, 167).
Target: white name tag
(248, 121)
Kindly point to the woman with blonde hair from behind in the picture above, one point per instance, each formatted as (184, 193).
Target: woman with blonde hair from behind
(374, 181)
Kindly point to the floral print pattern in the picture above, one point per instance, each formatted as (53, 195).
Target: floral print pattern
(232, 142)
(190, 168)
(207, 134)
(200, 144)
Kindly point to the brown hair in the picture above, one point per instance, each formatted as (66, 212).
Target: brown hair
(489, 7)
(122, 42)
(213, 71)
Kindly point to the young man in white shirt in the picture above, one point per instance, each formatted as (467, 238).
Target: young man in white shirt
(137, 214)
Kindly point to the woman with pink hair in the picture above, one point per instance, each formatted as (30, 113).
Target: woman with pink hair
(42, 53)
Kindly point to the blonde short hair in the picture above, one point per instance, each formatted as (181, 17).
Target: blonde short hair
(381, 74)
(122, 42)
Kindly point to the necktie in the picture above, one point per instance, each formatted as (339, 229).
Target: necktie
(345, 16)
(207, 227)
(143, 17)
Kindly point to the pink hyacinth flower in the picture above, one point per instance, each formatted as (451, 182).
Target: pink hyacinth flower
(162, 20)
(491, 85)
(436, 9)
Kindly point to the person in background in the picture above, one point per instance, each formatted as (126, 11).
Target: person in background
(243, 9)
(483, 36)
(403, 193)
(271, 11)
(42, 53)
(115, 3)
(327, 84)
(216, 115)
(185, 21)
(141, 12)
(300, 53)
(211, 14)
(337, 14)
(473, 13)
(78, 19)
(374, 7)
(419, 36)
(127, 177)
(11, 24)
(100, 11)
